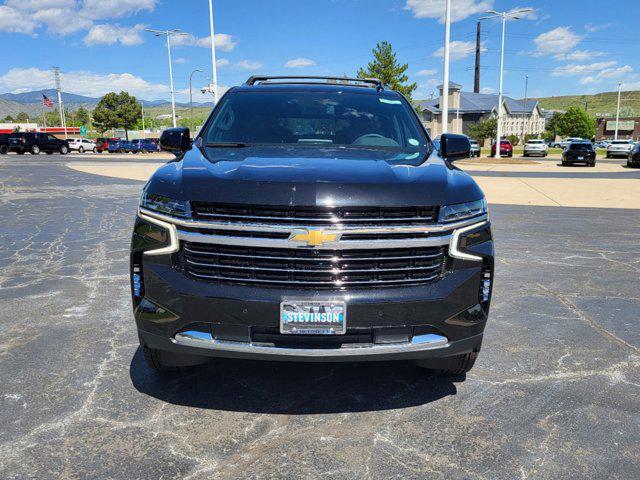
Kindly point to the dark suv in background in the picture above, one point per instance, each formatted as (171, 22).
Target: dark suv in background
(579, 152)
(312, 219)
(36, 142)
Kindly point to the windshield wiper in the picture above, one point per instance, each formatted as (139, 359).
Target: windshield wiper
(226, 144)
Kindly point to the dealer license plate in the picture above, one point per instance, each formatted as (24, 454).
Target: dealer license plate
(313, 317)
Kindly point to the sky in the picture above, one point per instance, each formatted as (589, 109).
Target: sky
(565, 47)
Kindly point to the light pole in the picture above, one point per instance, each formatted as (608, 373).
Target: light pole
(618, 111)
(191, 98)
(142, 106)
(525, 123)
(214, 67)
(504, 15)
(445, 81)
(168, 34)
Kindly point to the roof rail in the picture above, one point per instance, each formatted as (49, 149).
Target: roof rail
(375, 82)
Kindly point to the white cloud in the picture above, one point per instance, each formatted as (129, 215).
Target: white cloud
(458, 50)
(224, 41)
(58, 22)
(591, 27)
(578, 69)
(15, 21)
(299, 63)
(578, 55)
(460, 9)
(110, 34)
(81, 82)
(247, 65)
(488, 90)
(33, 5)
(607, 73)
(532, 15)
(180, 61)
(556, 41)
(222, 62)
(426, 73)
(100, 9)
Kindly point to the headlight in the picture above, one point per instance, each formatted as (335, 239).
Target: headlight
(166, 205)
(462, 211)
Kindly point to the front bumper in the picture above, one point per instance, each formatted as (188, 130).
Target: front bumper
(178, 313)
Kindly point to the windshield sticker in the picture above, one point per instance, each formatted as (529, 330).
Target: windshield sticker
(390, 102)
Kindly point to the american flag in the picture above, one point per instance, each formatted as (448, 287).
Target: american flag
(46, 101)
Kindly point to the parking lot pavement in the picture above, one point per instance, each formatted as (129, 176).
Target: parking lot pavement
(555, 393)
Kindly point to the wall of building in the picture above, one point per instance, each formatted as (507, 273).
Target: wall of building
(629, 128)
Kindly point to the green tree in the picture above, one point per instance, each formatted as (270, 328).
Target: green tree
(575, 122)
(385, 66)
(514, 139)
(8, 118)
(22, 117)
(117, 110)
(484, 129)
(82, 117)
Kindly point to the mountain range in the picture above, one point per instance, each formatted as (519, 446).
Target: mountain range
(31, 102)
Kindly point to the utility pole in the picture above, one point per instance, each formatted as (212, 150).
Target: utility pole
(503, 15)
(525, 123)
(618, 111)
(445, 84)
(142, 105)
(476, 80)
(168, 34)
(191, 100)
(63, 123)
(214, 67)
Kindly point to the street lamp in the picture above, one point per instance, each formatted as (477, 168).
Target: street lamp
(168, 34)
(214, 67)
(515, 15)
(618, 111)
(191, 98)
(445, 81)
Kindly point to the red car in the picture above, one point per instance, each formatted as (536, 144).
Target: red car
(506, 149)
(102, 144)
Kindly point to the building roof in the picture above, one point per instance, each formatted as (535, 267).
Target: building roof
(481, 103)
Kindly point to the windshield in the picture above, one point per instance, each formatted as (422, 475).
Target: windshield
(621, 142)
(538, 142)
(316, 118)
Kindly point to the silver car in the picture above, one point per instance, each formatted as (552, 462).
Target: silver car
(619, 148)
(475, 148)
(535, 147)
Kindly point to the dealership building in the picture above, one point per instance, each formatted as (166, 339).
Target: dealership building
(628, 128)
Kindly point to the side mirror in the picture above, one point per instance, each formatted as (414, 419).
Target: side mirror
(454, 147)
(175, 140)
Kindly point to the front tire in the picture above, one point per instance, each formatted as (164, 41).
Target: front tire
(81, 149)
(64, 150)
(35, 150)
(4, 150)
(456, 365)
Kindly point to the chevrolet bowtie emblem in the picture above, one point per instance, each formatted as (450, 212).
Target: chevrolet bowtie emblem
(314, 237)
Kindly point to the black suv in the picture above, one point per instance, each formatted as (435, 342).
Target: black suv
(312, 219)
(579, 152)
(36, 142)
(4, 143)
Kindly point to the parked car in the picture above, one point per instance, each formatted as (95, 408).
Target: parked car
(36, 142)
(506, 149)
(567, 141)
(619, 148)
(475, 148)
(144, 145)
(327, 272)
(82, 145)
(579, 152)
(633, 160)
(120, 146)
(4, 143)
(535, 147)
(102, 144)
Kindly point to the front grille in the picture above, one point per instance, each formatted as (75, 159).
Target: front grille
(310, 268)
(314, 216)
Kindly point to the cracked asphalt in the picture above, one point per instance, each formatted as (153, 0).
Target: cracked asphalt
(555, 392)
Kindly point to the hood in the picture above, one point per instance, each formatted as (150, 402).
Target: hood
(310, 176)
